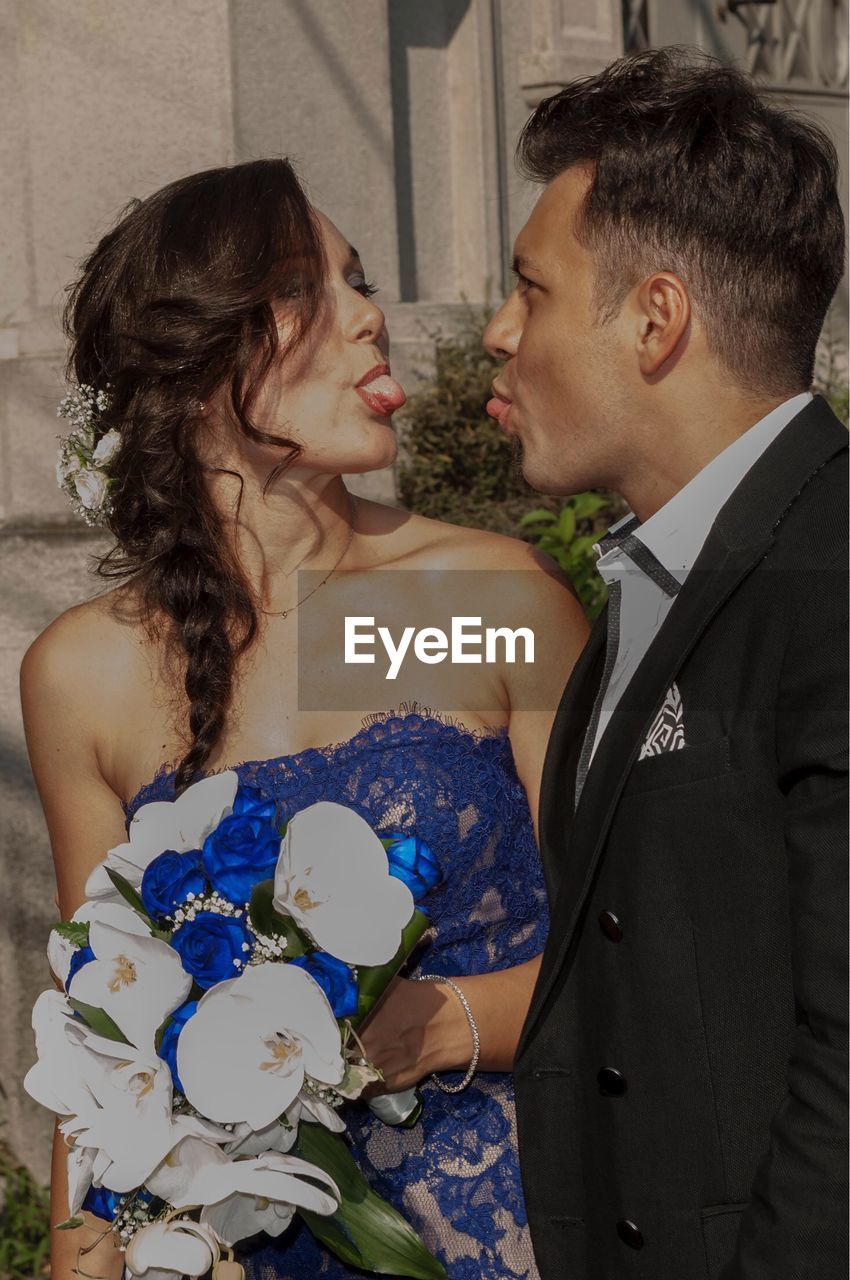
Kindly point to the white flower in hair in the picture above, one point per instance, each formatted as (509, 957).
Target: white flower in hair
(91, 488)
(107, 446)
(84, 455)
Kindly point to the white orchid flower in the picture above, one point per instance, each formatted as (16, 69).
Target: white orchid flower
(265, 1192)
(136, 980)
(115, 1102)
(312, 1109)
(80, 1170)
(118, 914)
(171, 1250)
(182, 824)
(244, 1053)
(58, 1080)
(246, 1141)
(182, 1177)
(241, 1196)
(241, 1216)
(281, 1137)
(197, 1172)
(333, 878)
(134, 1129)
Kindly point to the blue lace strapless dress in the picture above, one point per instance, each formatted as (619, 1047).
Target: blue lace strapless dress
(455, 1175)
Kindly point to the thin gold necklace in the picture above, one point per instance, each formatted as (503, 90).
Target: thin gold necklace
(284, 613)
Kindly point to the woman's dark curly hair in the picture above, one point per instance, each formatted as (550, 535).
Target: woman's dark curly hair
(174, 305)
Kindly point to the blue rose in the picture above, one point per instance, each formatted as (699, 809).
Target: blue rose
(80, 957)
(244, 848)
(209, 944)
(102, 1202)
(336, 980)
(251, 800)
(169, 880)
(170, 1036)
(412, 861)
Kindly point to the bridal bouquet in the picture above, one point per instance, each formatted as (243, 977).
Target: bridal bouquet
(206, 1038)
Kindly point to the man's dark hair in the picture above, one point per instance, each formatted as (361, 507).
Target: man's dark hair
(694, 172)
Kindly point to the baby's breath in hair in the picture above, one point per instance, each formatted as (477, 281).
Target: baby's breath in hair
(84, 453)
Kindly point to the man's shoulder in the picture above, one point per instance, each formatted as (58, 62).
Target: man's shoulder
(794, 498)
(814, 521)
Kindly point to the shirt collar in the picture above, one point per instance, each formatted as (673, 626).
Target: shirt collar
(675, 534)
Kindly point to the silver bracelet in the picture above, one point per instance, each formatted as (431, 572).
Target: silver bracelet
(476, 1039)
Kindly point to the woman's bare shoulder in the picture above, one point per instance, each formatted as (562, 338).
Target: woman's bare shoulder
(89, 651)
(437, 543)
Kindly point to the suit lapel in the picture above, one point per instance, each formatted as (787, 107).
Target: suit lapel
(557, 786)
(741, 536)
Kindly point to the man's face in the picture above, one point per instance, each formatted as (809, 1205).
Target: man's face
(561, 394)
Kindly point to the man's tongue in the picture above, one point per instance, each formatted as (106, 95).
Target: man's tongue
(386, 391)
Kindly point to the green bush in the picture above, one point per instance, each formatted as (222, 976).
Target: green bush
(568, 538)
(457, 464)
(839, 400)
(24, 1221)
(459, 467)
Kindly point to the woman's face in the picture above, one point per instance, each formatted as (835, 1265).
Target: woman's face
(334, 394)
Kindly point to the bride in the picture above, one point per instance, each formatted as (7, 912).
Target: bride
(247, 369)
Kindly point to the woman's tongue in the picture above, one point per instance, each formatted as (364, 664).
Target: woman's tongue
(383, 393)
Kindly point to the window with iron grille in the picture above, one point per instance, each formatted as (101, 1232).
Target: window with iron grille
(635, 26)
(794, 43)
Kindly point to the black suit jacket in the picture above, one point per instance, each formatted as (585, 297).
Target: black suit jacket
(681, 1077)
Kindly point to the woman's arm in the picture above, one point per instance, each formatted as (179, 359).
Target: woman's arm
(421, 1027)
(62, 709)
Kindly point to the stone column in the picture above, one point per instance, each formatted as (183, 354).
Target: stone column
(570, 38)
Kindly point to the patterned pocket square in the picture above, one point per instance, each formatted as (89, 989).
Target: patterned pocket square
(667, 732)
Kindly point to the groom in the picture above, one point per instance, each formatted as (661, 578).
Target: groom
(680, 1080)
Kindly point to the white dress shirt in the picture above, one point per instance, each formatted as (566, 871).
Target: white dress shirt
(644, 565)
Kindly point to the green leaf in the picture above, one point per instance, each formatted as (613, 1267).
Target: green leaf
(583, 544)
(267, 920)
(76, 931)
(70, 1223)
(372, 981)
(130, 895)
(365, 1231)
(587, 505)
(99, 1021)
(538, 516)
(566, 524)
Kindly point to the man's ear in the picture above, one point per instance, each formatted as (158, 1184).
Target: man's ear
(665, 314)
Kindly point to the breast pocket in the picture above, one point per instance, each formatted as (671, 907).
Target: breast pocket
(720, 1225)
(691, 764)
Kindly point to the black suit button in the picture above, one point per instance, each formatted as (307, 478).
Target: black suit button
(611, 1083)
(610, 926)
(630, 1233)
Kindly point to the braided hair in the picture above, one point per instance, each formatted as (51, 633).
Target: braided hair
(175, 304)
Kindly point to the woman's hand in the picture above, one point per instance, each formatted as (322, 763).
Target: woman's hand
(420, 1027)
